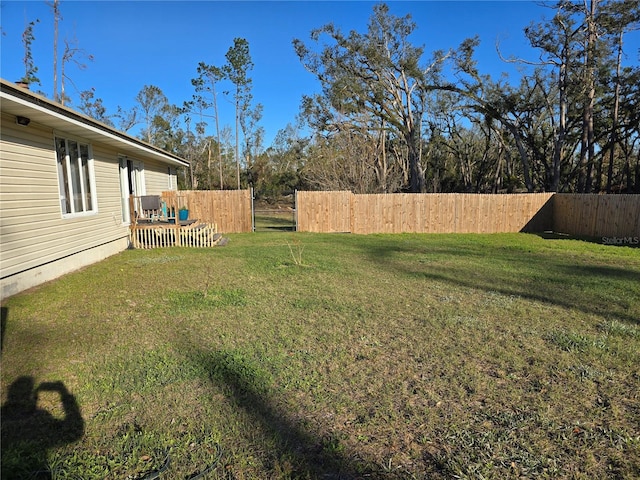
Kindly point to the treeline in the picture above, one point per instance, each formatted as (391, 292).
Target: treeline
(389, 119)
(392, 118)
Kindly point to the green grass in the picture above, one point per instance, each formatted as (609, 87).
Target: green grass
(288, 355)
(274, 220)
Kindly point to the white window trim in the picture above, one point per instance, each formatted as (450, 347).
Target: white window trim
(92, 176)
(139, 177)
(136, 176)
(172, 174)
(123, 173)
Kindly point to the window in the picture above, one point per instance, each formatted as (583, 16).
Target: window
(75, 176)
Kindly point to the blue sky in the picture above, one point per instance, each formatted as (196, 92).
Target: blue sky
(137, 43)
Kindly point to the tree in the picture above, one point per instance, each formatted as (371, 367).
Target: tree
(208, 78)
(237, 70)
(55, 6)
(165, 128)
(583, 45)
(587, 147)
(378, 74)
(618, 18)
(552, 113)
(347, 160)
(556, 42)
(30, 69)
(151, 102)
(72, 53)
(251, 133)
(93, 107)
(277, 171)
(127, 118)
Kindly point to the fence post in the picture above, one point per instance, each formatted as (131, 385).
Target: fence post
(253, 211)
(295, 209)
(352, 213)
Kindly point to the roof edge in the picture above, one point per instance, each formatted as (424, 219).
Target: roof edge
(40, 101)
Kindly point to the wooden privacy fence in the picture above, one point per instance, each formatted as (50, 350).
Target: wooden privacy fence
(423, 213)
(597, 215)
(327, 212)
(229, 210)
(586, 215)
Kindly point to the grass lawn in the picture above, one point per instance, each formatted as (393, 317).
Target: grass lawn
(275, 220)
(287, 355)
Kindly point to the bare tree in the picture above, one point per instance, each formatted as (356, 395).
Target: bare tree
(55, 7)
(72, 53)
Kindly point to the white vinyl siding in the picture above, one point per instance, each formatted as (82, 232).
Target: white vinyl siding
(156, 177)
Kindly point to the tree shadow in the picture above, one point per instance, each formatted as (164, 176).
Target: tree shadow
(28, 431)
(629, 242)
(530, 275)
(309, 457)
(555, 293)
(4, 315)
(272, 221)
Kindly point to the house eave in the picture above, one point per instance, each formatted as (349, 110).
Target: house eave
(19, 101)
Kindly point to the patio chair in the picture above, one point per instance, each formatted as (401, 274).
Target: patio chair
(150, 206)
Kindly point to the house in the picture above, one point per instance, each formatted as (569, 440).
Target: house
(65, 183)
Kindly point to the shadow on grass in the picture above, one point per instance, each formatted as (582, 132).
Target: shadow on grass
(274, 222)
(275, 228)
(4, 315)
(517, 270)
(603, 272)
(28, 432)
(629, 242)
(307, 456)
(561, 292)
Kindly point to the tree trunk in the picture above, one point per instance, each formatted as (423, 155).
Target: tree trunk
(62, 94)
(238, 138)
(209, 166)
(587, 150)
(614, 121)
(215, 111)
(56, 18)
(382, 167)
(523, 156)
(416, 172)
(558, 151)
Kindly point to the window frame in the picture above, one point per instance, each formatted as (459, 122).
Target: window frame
(72, 176)
(172, 173)
(132, 182)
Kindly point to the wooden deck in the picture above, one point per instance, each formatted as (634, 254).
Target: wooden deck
(159, 227)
